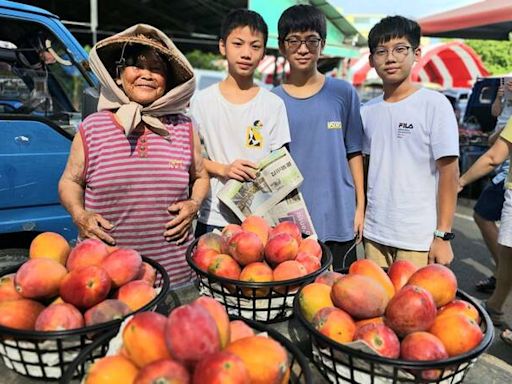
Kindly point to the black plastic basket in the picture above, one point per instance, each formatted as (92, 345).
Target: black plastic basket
(339, 363)
(300, 372)
(46, 355)
(240, 297)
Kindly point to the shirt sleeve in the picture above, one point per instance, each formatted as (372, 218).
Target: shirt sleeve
(507, 131)
(280, 134)
(354, 125)
(444, 136)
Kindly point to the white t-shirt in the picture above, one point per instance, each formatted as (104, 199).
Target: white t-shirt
(506, 112)
(230, 131)
(404, 139)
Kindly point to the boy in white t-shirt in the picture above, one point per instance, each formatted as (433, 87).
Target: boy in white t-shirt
(412, 148)
(239, 122)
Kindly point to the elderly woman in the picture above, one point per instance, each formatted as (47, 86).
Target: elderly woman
(135, 177)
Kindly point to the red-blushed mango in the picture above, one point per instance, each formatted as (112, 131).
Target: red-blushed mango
(221, 368)
(164, 371)
(122, 265)
(370, 268)
(146, 273)
(144, 338)
(85, 287)
(211, 241)
(282, 247)
(314, 297)
(107, 310)
(381, 338)
(39, 278)
(310, 262)
(257, 272)
(112, 369)
(335, 323)
(328, 278)
(85, 253)
(257, 225)
(20, 314)
(360, 296)
(288, 270)
(458, 333)
(224, 266)
(8, 291)
(423, 346)
(439, 280)
(400, 271)
(245, 247)
(371, 320)
(136, 294)
(265, 359)
(50, 245)
(460, 306)
(59, 317)
(219, 314)
(310, 245)
(288, 227)
(203, 258)
(412, 309)
(227, 233)
(238, 330)
(191, 334)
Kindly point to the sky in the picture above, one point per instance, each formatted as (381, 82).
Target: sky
(409, 8)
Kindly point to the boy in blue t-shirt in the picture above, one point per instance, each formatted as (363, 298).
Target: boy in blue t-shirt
(326, 134)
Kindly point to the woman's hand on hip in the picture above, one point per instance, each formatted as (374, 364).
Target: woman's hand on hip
(178, 228)
(93, 225)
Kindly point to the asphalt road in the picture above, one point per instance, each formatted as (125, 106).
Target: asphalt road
(472, 263)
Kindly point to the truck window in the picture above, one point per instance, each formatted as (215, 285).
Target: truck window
(37, 75)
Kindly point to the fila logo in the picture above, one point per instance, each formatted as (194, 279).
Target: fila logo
(405, 125)
(334, 125)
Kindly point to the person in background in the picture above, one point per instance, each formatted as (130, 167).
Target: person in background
(239, 122)
(326, 134)
(135, 176)
(487, 210)
(497, 154)
(411, 145)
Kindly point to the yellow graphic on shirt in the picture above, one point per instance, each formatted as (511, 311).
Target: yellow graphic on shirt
(253, 135)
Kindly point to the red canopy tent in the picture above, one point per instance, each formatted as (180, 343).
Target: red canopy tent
(452, 64)
(488, 19)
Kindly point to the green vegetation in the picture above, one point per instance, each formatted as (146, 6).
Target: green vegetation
(496, 55)
(205, 60)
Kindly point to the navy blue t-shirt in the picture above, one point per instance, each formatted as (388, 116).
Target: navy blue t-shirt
(324, 129)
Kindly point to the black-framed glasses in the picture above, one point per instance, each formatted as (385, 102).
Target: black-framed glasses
(399, 52)
(312, 43)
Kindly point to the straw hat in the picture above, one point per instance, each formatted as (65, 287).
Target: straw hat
(111, 50)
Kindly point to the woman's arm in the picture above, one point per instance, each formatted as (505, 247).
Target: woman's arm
(178, 228)
(494, 156)
(71, 193)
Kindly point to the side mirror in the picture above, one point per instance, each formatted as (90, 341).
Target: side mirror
(90, 99)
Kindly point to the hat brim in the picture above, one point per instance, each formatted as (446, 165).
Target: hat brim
(110, 50)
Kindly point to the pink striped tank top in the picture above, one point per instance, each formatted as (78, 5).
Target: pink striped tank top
(132, 180)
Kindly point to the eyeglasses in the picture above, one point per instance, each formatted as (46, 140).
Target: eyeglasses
(399, 52)
(312, 43)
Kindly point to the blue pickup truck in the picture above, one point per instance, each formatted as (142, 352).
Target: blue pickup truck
(43, 78)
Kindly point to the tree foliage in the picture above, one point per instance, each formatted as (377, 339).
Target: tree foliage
(496, 55)
(204, 60)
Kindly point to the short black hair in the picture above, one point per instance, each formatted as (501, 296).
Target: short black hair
(394, 27)
(241, 17)
(302, 18)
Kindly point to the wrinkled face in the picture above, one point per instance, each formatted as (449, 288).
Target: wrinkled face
(243, 49)
(302, 49)
(144, 78)
(393, 60)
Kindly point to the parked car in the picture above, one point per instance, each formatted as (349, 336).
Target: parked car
(458, 98)
(42, 83)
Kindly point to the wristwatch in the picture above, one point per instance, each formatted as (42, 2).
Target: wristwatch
(444, 235)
